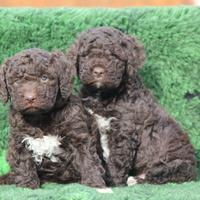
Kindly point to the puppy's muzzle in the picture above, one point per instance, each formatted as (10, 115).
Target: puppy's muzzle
(98, 73)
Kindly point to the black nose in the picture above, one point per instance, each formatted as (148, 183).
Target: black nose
(30, 98)
(98, 72)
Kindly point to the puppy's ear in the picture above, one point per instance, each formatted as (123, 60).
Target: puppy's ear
(4, 95)
(66, 73)
(135, 54)
(72, 56)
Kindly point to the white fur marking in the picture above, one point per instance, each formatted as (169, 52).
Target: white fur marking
(142, 176)
(98, 84)
(104, 127)
(103, 123)
(47, 146)
(105, 147)
(104, 190)
(131, 181)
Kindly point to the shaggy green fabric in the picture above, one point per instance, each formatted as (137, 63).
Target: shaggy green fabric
(171, 37)
(186, 191)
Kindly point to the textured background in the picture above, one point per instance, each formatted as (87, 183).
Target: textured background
(171, 37)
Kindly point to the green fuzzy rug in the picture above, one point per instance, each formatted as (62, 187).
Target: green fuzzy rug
(171, 37)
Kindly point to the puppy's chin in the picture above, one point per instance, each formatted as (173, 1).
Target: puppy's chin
(94, 85)
(99, 85)
(34, 111)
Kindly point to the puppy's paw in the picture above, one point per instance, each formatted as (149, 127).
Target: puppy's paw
(33, 183)
(142, 176)
(131, 181)
(29, 185)
(104, 190)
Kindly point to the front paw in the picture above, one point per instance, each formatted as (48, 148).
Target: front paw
(158, 175)
(33, 184)
(95, 184)
(118, 182)
(131, 181)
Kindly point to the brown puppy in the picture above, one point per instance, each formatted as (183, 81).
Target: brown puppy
(48, 138)
(135, 135)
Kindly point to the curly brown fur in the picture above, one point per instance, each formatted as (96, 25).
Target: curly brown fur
(142, 139)
(38, 84)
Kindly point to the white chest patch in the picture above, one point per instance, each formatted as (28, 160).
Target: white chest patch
(47, 146)
(104, 127)
(105, 146)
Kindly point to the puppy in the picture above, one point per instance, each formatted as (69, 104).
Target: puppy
(134, 135)
(48, 138)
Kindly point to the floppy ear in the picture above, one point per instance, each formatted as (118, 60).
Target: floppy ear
(135, 54)
(4, 95)
(66, 73)
(72, 56)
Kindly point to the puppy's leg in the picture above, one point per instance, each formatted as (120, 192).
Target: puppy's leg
(117, 176)
(85, 167)
(24, 170)
(83, 146)
(122, 157)
(176, 163)
(26, 175)
(119, 164)
(91, 172)
(175, 171)
(6, 179)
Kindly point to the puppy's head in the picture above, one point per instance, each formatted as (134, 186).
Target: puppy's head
(105, 56)
(33, 79)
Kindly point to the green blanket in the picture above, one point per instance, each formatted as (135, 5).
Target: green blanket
(171, 37)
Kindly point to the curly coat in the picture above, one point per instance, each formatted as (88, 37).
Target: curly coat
(141, 138)
(39, 85)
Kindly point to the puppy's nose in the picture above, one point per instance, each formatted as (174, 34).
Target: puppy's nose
(98, 72)
(30, 98)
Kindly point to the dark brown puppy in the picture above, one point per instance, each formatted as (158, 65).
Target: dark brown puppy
(135, 135)
(48, 138)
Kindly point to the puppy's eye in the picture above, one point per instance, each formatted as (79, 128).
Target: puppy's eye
(44, 78)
